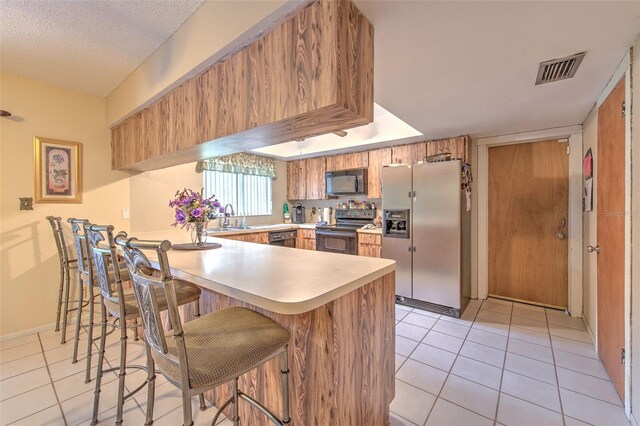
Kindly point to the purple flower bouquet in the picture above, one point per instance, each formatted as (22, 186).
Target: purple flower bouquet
(191, 207)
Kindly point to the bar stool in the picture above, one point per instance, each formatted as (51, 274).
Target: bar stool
(121, 303)
(86, 278)
(66, 265)
(209, 351)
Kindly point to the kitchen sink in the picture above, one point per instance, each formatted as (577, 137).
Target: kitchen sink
(231, 228)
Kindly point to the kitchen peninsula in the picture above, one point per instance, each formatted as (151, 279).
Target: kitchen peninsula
(340, 313)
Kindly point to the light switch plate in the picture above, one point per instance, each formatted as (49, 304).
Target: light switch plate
(125, 214)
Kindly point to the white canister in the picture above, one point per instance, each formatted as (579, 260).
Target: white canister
(327, 215)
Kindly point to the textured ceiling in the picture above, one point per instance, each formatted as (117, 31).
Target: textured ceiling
(455, 67)
(86, 45)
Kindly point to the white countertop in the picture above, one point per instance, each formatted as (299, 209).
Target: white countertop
(377, 231)
(280, 279)
(213, 232)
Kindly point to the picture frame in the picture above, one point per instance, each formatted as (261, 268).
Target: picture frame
(58, 170)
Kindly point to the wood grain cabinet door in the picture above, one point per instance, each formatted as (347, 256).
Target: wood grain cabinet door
(409, 154)
(356, 160)
(456, 146)
(369, 245)
(296, 180)
(378, 158)
(315, 181)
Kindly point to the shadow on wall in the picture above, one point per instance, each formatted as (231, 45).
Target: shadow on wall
(26, 261)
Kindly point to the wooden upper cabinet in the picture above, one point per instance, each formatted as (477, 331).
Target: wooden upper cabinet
(305, 179)
(458, 147)
(296, 180)
(356, 160)
(309, 75)
(378, 158)
(315, 182)
(408, 154)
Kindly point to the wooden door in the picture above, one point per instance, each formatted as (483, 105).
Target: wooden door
(378, 158)
(528, 208)
(610, 193)
(315, 181)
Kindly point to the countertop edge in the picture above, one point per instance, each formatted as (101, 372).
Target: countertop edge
(282, 307)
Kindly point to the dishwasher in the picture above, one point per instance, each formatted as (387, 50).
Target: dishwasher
(283, 238)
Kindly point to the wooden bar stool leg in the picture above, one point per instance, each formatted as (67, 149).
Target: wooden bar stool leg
(87, 378)
(79, 321)
(65, 315)
(103, 338)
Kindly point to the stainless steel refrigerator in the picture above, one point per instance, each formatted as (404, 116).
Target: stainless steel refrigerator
(426, 230)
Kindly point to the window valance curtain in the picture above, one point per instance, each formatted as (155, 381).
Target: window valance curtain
(240, 163)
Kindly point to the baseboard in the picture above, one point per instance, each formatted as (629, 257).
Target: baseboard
(22, 333)
(591, 334)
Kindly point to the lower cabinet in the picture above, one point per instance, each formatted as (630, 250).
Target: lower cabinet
(369, 245)
(254, 237)
(306, 239)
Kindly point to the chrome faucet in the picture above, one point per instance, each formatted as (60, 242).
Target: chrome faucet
(225, 223)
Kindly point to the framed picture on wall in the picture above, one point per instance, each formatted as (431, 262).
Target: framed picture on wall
(58, 171)
(587, 172)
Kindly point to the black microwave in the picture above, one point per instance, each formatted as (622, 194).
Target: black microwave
(347, 182)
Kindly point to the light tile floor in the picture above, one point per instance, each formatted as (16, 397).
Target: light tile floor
(502, 363)
(39, 385)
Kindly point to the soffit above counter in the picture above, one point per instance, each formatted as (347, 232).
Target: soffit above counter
(311, 75)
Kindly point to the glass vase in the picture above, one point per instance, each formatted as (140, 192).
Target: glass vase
(199, 234)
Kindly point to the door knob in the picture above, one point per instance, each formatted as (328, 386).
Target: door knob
(591, 249)
(560, 236)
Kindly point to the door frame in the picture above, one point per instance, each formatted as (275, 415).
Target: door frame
(573, 135)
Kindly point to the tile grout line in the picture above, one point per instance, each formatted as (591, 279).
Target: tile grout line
(51, 380)
(551, 348)
(504, 364)
(449, 372)
(555, 370)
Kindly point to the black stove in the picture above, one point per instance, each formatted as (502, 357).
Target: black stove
(352, 219)
(343, 237)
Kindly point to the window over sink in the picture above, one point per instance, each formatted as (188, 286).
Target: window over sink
(250, 195)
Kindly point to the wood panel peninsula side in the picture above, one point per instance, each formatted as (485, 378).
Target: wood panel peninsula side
(339, 309)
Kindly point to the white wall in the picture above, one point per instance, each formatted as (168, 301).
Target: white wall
(151, 192)
(589, 261)
(29, 272)
(635, 242)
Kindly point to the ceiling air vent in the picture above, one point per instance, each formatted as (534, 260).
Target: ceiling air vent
(559, 69)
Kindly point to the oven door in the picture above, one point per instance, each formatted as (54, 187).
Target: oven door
(345, 242)
(287, 242)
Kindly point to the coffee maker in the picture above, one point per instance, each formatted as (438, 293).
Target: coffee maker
(298, 213)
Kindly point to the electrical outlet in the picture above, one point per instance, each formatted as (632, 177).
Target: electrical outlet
(125, 214)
